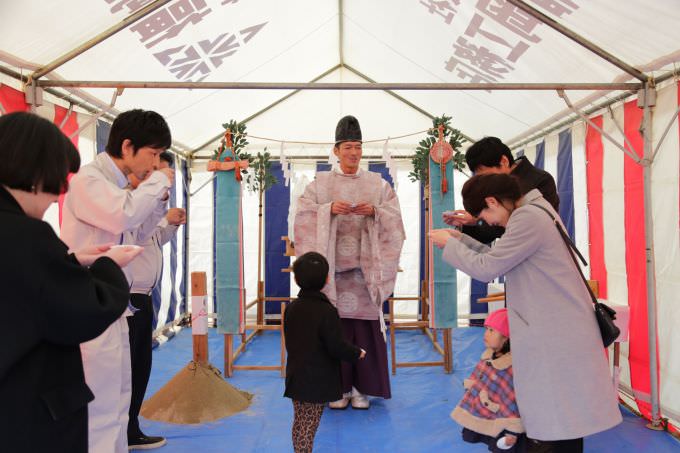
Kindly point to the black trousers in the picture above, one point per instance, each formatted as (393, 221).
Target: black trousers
(141, 329)
(555, 446)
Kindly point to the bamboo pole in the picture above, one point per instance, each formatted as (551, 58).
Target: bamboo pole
(260, 280)
(393, 353)
(425, 284)
(283, 341)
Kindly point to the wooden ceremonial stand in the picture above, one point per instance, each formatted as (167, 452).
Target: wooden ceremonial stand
(230, 356)
(446, 349)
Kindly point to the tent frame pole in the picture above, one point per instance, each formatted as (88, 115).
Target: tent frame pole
(378, 86)
(551, 124)
(68, 56)
(628, 152)
(186, 183)
(647, 94)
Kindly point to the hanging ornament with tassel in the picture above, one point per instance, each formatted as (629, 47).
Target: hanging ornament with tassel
(442, 152)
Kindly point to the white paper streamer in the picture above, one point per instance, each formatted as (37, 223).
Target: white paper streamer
(389, 163)
(285, 166)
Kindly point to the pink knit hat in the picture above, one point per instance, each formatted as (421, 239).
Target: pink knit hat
(498, 320)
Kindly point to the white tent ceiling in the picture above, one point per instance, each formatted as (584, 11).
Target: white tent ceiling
(406, 41)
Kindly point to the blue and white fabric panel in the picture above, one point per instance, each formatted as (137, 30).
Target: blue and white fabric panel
(384, 172)
(580, 188)
(168, 296)
(408, 280)
(380, 167)
(539, 159)
(102, 130)
(565, 181)
(276, 202)
(563, 156)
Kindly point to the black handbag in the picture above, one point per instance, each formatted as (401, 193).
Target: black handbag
(605, 315)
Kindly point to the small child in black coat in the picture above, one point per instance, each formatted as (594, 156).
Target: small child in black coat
(315, 347)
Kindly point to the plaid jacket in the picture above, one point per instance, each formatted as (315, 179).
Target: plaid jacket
(489, 406)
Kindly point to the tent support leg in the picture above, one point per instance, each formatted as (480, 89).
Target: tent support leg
(647, 94)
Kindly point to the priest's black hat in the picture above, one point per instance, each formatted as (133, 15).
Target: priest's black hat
(347, 130)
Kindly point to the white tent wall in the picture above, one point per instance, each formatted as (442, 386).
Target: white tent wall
(578, 140)
(666, 230)
(201, 229)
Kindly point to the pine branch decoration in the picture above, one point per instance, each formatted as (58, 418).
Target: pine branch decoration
(261, 177)
(421, 157)
(239, 139)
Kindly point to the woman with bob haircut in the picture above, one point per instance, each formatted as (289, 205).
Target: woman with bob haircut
(55, 299)
(561, 378)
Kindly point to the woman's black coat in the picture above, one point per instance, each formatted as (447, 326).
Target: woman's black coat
(315, 347)
(50, 304)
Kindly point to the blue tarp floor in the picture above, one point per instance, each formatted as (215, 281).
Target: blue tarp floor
(416, 419)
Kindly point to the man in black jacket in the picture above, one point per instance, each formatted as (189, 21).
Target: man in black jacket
(491, 155)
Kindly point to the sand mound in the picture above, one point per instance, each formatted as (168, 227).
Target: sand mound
(196, 394)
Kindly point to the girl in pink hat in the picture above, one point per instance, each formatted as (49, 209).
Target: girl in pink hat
(488, 410)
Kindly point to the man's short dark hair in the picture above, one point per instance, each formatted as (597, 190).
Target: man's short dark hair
(142, 128)
(498, 185)
(169, 158)
(35, 154)
(311, 271)
(488, 152)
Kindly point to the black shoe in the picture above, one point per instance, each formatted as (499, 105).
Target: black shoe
(145, 442)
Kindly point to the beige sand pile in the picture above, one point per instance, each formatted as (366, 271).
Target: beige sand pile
(196, 394)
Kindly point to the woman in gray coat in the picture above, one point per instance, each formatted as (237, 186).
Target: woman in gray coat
(562, 381)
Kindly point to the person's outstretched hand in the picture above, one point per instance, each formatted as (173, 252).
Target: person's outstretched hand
(440, 237)
(458, 218)
(123, 254)
(362, 355)
(88, 255)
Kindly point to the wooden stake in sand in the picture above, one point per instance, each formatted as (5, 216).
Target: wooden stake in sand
(198, 393)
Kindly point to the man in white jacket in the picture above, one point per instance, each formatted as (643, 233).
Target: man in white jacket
(145, 272)
(98, 210)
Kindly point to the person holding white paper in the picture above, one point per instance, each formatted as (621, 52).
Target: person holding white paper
(98, 209)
